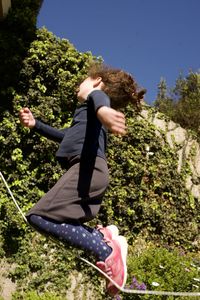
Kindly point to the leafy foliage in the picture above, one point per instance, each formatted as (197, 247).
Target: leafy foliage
(17, 31)
(32, 295)
(147, 193)
(163, 270)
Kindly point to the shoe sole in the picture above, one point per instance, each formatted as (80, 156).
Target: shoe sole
(124, 250)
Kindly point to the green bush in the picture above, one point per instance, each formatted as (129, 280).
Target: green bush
(17, 31)
(32, 295)
(147, 194)
(163, 270)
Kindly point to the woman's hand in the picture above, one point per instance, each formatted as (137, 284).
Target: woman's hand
(26, 118)
(112, 119)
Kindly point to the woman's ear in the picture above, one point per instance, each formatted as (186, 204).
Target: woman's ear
(97, 82)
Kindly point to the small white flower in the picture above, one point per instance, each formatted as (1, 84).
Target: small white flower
(147, 148)
(193, 265)
(187, 270)
(161, 267)
(196, 279)
(154, 283)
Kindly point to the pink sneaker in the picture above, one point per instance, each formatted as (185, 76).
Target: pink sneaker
(115, 264)
(109, 233)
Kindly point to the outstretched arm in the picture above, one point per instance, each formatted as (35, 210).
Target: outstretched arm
(27, 120)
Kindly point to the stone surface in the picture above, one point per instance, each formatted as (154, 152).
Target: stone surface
(189, 149)
(7, 287)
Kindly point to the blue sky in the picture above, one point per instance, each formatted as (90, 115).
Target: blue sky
(151, 39)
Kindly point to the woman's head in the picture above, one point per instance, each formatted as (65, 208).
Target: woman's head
(118, 85)
(87, 86)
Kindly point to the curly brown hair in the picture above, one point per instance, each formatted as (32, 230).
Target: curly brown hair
(118, 85)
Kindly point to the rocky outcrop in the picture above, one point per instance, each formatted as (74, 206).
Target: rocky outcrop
(187, 148)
